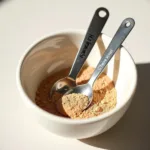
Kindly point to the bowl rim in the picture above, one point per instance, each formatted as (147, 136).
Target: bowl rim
(63, 120)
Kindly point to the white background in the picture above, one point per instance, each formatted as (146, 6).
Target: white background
(24, 22)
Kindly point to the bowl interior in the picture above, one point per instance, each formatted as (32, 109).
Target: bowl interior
(58, 52)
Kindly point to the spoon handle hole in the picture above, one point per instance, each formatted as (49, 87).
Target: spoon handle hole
(127, 24)
(102, 12)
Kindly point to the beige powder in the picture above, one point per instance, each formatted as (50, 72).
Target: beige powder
(73, 104)
(104, 94)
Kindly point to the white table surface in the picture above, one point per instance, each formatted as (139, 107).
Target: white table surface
(22, 23)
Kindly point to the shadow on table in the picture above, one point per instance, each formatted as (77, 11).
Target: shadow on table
(2, 1)
(132, 132)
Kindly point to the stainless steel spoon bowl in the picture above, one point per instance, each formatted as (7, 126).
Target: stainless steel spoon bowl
(94, 30)
(116, 42)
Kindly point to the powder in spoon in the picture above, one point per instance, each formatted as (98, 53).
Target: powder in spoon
(72, 104)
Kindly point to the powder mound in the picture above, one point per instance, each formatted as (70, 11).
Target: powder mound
(104, 94)
(72, 104)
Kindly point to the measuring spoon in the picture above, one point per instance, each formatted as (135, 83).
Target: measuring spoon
(99, 19)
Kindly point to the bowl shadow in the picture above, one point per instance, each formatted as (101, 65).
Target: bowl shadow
(133, 130)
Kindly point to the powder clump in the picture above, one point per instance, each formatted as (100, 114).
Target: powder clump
(73, 104)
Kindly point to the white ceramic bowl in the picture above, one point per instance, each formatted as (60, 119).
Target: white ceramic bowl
(57, 52)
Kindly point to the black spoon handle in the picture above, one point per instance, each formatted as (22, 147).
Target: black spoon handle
(91, 37)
